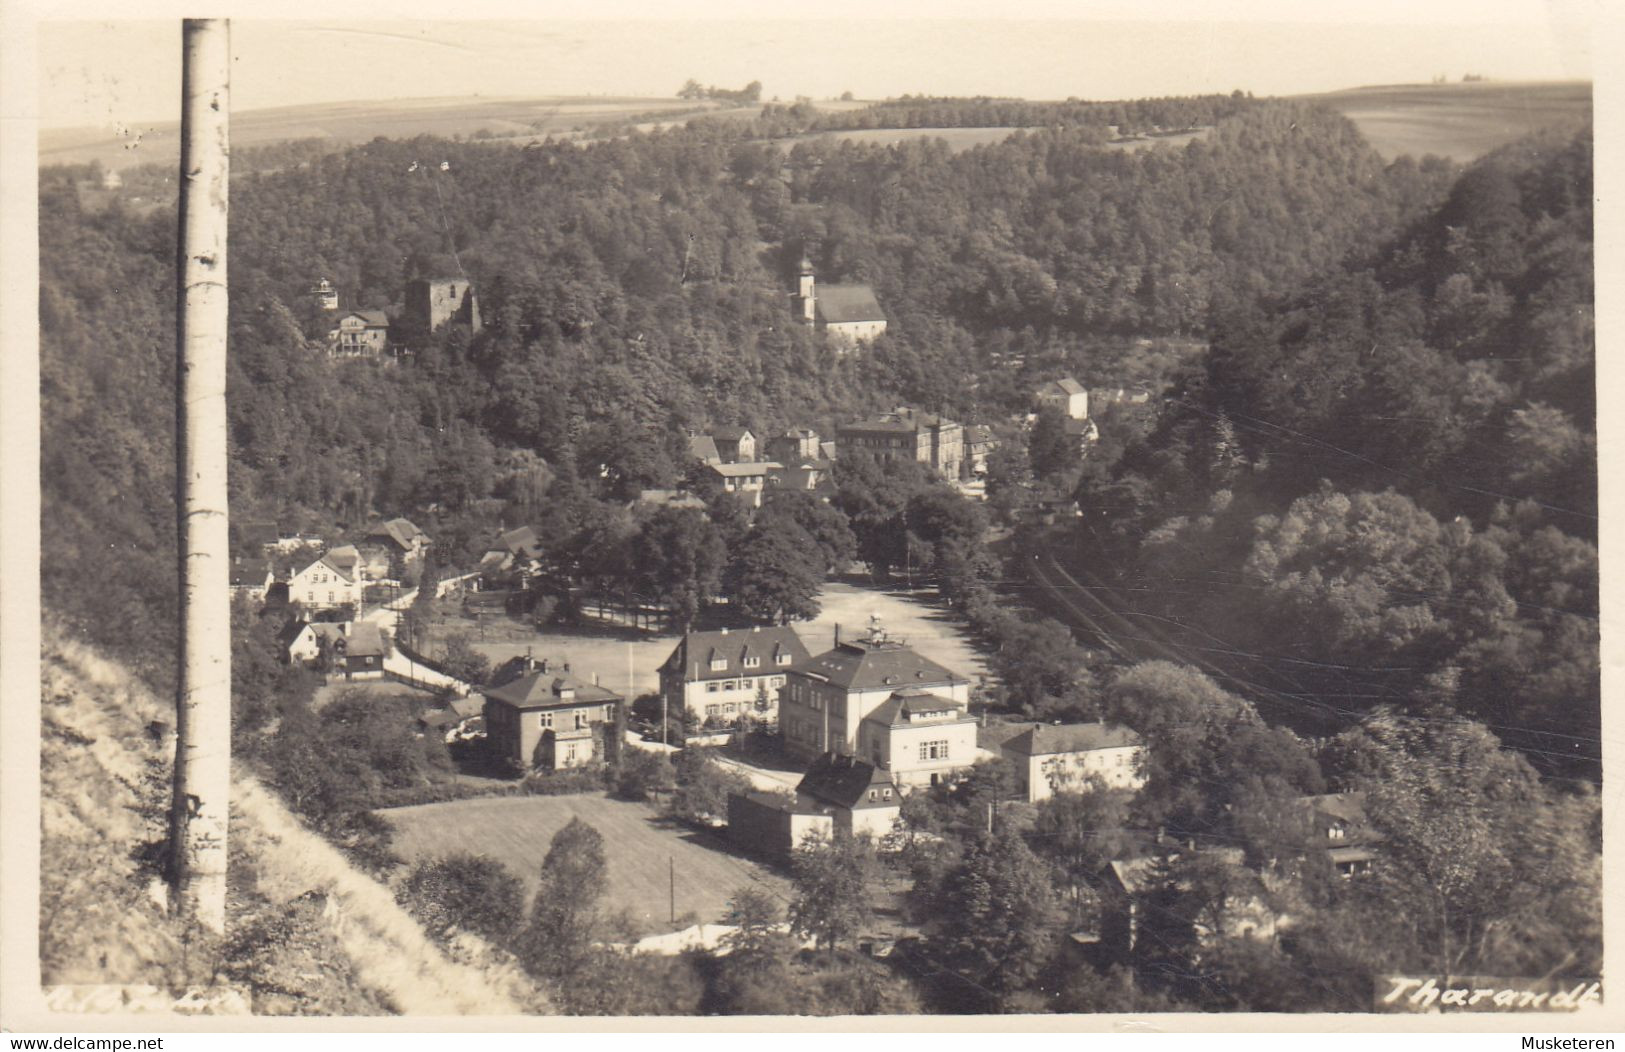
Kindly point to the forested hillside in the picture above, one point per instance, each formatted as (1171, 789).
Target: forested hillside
(1382, 489)
(637, 285)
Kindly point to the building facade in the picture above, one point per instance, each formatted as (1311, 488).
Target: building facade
(545, 718)
(329, 583)
(860, 797)
(826, 698)
(1051, 758)
(908, 434)
(431, 304)
(1066, 395)
(918, 737)
(850, 312)
(359, 334)
(721, 676)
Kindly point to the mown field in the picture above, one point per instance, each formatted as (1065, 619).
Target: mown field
(1459, 121)
(648, 855)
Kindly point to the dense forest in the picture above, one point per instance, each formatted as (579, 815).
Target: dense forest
(638, 285)
(1381, 488)
(1365, 489)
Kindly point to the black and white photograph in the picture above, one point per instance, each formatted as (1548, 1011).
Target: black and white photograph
(1066, 512)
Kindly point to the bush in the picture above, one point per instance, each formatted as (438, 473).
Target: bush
(641, 774)
(464, 892)
(592, 779)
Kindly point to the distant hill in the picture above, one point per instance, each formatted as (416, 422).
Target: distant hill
(348, 123)
(1459, 121)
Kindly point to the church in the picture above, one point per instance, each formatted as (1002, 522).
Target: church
(848, 311)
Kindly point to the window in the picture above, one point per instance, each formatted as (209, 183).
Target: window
(713, 710)
(937, 750)
(581, 719)
(719, 664)
(330, 597)
(711, 687)
(729, 709)
(784, 659)
(1336, 833)
(729, 684)
(886, 794)
(546, 720)
(747, 684)
(753, 662)
(874, 794)
(609, 713)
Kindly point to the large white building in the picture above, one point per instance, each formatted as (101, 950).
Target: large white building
(876, 699)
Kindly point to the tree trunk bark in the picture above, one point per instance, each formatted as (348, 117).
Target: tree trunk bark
(198, 813)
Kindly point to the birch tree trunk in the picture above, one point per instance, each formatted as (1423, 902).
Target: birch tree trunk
(198, 814)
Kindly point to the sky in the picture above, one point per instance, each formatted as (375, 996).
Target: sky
(100, 69)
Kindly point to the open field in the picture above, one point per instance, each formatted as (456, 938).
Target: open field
(359, 122)
(606, 653)
(1459, 121)
(645, 851)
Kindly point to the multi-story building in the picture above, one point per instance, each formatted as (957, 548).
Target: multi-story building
(734, 445)
(908, 434)
(722, 675)
(918, 737)
(826, 699)
(329, 583)
(1066, 395)
(359, 334)
(546, 718)
(1053, 758)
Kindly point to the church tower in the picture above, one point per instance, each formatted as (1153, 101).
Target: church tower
(805, 296)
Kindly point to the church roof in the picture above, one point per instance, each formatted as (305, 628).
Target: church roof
(837, 304)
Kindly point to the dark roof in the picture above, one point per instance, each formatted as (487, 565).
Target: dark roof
(862, 665)
(401, 531)
(902, 420)
(1046, 739)
(375, 319)
(694, 652)
(775, 802)
(250, 571)
(746, 468)
(845, 781)
(364, 639)
(544, 690)
(702, 447)
(843, 303)
(1347, 809)
(291, 632)
(256, 534)
(906, 706)
(993, 735)
(729, 434)
(342, 560)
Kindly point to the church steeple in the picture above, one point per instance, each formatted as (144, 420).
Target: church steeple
(806, 296)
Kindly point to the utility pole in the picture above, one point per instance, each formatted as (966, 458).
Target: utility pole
(202, 787)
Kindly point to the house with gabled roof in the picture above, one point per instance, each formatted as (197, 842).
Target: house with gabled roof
(1340, 827)
(393, 548)
(516, 553)
(735, 445)
(331, 582)
(720, 676)
(862, 798)
(1066, 395)
(251, 576)
(826, 697)
(704, 449)
(545, 717)
(1056, 757)
(359, 334)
